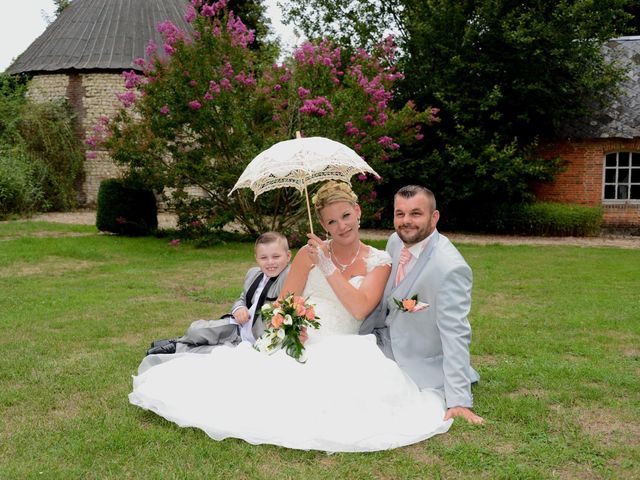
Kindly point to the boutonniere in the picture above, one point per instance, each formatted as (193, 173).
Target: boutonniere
(410, 304)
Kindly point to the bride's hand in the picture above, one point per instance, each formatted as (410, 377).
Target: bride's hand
(316, 244)
(320, 255)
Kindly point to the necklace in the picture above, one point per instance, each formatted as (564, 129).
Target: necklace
(344, 266)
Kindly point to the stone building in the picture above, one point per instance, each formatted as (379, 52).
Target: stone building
(81, 56)
(603, 154)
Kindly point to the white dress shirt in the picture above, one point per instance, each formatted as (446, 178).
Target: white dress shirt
(246, 331)
(415, 251)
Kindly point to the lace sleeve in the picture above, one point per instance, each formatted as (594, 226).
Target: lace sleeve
(376, 258)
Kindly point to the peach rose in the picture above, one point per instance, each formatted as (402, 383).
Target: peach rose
(310, 314)
(277, 320)
(409, 304)
(300, 310)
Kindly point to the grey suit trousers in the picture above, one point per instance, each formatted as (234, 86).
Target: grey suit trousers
(204, 335)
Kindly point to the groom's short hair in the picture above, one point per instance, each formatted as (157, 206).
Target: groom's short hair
(409, 191)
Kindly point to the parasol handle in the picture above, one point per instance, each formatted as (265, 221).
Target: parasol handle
(306, 194)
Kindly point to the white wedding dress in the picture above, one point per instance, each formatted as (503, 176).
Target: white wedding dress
(347, 397)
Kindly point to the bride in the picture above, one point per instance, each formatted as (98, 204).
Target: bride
(347, 397)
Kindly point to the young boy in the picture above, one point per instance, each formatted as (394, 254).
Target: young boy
(261, 284)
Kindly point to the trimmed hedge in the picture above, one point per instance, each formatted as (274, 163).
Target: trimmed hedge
(126, 209)
(550, 219)
(541, 219)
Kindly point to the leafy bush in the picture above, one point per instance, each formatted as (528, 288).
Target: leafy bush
(544, 219)
(48, 132)
(126, 209)
(41, 138)
(20, 192)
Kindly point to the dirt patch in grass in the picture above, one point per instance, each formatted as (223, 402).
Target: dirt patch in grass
(498, 307)
(46, 234)
(50, 266)
(618, 335)
(16, 418)
(485, 360)
(327, 461)
(269, 469)
(503, 448)
(132, 340)
(150, 299)
(528, 392)
(574, 471)
(611, 428)
(67, 407)
(573, 358)
(451, 440)
(220, 277)
(418, 453)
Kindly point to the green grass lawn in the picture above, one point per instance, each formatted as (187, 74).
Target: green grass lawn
(556, 342)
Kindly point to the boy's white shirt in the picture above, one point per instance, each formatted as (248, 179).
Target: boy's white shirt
(246, 332)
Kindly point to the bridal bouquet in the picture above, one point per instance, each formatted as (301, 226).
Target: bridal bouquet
(286, 318)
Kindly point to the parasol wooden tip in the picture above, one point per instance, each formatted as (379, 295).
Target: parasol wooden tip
(298, 134)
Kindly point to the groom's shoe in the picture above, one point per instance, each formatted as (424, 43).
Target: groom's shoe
(169, 347)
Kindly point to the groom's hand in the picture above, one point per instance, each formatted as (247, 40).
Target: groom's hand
(465, 413)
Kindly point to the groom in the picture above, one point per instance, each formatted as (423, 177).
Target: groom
(430, 343)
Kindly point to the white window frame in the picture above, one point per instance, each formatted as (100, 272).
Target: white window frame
(633, 169)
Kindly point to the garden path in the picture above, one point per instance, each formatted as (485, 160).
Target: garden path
(167, 220)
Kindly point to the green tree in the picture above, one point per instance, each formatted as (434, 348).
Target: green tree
(61, 5)
(354, 24)
(198, 117)
(504, 73)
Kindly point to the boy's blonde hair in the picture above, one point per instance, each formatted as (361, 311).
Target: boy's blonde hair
(332, 192)
(272, 237)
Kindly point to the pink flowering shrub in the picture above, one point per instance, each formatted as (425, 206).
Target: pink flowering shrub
(198, 115)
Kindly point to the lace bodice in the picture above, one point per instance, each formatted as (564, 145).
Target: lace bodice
(334, 317)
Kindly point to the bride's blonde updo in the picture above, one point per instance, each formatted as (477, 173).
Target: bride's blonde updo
(332, 192)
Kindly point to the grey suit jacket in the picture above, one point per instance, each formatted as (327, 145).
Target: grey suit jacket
(202, 335)
(272, 294)
(431, 345)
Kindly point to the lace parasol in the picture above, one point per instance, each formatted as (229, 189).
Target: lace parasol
(300, 162)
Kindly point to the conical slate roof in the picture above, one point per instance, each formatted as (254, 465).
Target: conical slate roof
(100, 34)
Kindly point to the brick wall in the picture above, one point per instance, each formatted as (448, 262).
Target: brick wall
(581, 182)
(623, 216)
(91, 95)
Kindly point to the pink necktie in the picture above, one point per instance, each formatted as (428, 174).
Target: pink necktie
(405, 256)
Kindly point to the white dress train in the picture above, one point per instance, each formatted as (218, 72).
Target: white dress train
(347, 397)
